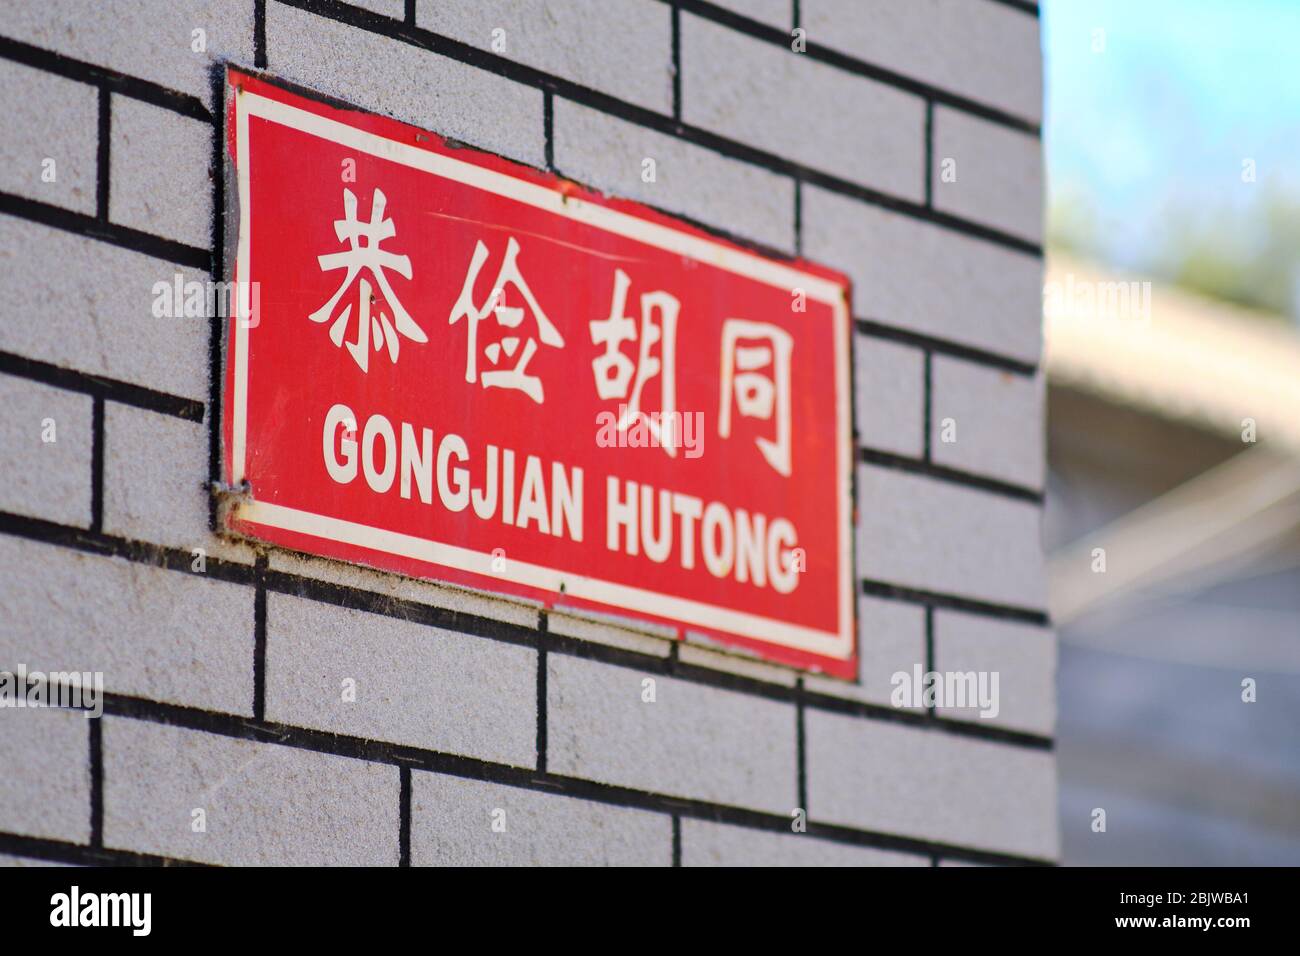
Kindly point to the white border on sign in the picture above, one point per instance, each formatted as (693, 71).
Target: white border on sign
(811, 640)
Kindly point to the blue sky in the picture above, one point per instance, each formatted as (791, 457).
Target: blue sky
(1157, 125)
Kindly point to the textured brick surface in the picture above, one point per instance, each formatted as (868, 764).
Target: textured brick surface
(999, 174)
(935, 535)
(718, 844)
(462, 600)
(166, 635)
(620, 47)
(878, 140)
(1024, 657)
(926, 278)
(150, 39)
(264, 804)
(889, 396)
(983, 50)
(603, 629)
(700, 652)
(156, 482)
(49, 480)
(776, 13)
(160, 179)
(94, 313)
(48, 117)
(389, 8)
(412, 684)
(891, 638)
(602, 151)
(998, 418)
(599, 728)
(413, 85)
(45, 753)
(914, 782)
(457, 822)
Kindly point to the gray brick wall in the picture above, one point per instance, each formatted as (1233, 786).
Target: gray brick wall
(160, 172)
(343, 811)
(93, 314)
(620, 47)
(995, 420)
(382, 678)
(879, 130)
(40, 478)
(45, 790)
(949, 538)
(985, 52)
(168, 635)
(607, 152)
(52, 120)
(459, 822)
(483, 730)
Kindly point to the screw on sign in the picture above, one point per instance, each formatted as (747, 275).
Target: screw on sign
(469, 371)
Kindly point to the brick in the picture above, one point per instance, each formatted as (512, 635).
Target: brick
(776, 13)
(156, 482)
(48, 117)
(643, 638)
(931, 785)
(170, 198)
(94, 313)
(739, 198)
(731, 660)
(45, 786)
(719, 844)
(999, 174)
(49, 480)
(1024, 657)
(694, 741)
(928, 278)
(149, 39)
(891, 638)
(889, 396)
(461, 600)
(984, 51)
(416, 86)
(878, 135)
(997, 417)
(388, 8)
(171, 636)
(452, 825)
(265, 805)
(619, 47)
(415, 685)
(935, 535)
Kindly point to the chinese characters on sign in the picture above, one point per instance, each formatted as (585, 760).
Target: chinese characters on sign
(582, 402)
(368, 256)
(612, 332)
(509, 317)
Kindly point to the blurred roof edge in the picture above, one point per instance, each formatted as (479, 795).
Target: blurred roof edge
(1170, 352)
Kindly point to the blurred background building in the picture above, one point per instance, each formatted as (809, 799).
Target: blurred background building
(1173, 362)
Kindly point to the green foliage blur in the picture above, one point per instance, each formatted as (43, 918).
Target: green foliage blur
(1246, 254)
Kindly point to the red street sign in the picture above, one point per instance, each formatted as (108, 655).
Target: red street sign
(461, 369)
